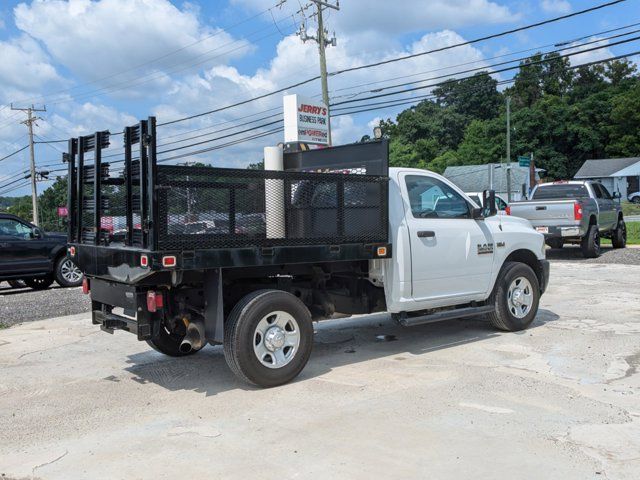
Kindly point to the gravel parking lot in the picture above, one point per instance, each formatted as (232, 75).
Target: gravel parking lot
(25, 305)
(448, 401)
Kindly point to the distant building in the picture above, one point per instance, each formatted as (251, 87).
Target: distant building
(617, 174)
(475, 178)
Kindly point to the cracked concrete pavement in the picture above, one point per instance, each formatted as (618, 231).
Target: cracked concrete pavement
(450, 400)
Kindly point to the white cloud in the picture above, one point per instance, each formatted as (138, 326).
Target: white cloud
(25, 67)
(98, 39)
(556, 6)
(592, 56)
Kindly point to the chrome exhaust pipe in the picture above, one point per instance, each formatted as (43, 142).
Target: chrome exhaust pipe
(194, 339)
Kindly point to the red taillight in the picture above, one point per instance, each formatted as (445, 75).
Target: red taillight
(507, 210)
(72, 251)
(577, 211)
(144, 261)
(155, 301)
(85, 286)
(169, 261)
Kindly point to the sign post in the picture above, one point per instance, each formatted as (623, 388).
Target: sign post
(305, 120)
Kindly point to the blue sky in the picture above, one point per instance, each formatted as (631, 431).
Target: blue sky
(104, 64)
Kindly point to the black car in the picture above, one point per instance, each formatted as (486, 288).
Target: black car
(37, 258)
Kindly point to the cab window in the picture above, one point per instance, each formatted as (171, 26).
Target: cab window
(432, 198)
(12, 228)
(605, 193)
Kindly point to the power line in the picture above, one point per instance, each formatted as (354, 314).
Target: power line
(569, 43)
(481, 39)
(220, 31)
(148, 78)
(13, 153)
(338, 72)
(506, 69)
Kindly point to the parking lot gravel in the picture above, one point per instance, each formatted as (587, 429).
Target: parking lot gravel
(25, 305)
(623, 256)
(450, 400)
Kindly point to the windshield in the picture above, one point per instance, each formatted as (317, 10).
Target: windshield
(557, 192)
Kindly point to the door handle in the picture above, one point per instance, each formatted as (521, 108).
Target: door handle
(541, 208)
(426, 234)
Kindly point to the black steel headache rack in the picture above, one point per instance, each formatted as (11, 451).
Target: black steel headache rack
(224, 216)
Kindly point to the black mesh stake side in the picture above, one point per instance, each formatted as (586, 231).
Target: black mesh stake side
(207, 208)
(128, 184)
(80, 188)
(71, 190)
(97, 188)
(144, 193)
(152, 193)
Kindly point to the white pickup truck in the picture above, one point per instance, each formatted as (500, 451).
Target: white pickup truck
(404, 241)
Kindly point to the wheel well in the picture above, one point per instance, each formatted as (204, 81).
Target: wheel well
(620, 216)
(528, 258)
(59, 255)
(592, 220)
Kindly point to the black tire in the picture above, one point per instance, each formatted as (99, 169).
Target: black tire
(504, 318)
(241, 333)
(67, 273)
(39, 283)
(17, 283)
(636, 200)
(619, 235)
(169, 343)
(590, 243)
(555, 243)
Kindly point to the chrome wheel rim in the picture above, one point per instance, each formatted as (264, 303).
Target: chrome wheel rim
(70, 271)
(520, 297)
(276, 339)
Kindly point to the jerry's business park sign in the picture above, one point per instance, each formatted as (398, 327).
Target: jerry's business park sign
(305, 120)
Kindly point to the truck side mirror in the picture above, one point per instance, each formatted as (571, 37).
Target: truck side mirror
(36, 233)
(617, 195)
(489, 202)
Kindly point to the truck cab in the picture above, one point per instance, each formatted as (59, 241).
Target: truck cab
(445, 251)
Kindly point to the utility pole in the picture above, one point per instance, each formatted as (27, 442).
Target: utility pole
(323, 41)
(29, 123)
(532, 174)
(509, 149)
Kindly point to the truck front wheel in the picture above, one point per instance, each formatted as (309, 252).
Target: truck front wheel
(516, 297)
(619, 235)
(268, 338)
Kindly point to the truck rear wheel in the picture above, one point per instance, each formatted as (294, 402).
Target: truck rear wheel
(268, 338)
(590, 243)
(619, 235)
(516, 297)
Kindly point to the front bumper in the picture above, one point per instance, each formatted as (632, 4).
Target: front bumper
(543, 274)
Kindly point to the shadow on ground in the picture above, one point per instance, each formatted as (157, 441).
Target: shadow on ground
(337, 343)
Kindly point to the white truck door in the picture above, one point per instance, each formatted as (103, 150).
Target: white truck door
(451, 253)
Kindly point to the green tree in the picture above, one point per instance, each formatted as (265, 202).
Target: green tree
(476, 97)
(625, 124)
